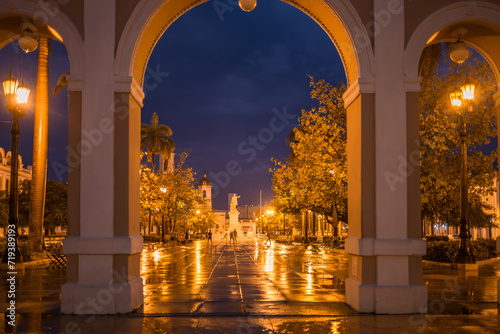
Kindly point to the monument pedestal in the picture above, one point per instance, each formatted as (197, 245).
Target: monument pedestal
(234, 223)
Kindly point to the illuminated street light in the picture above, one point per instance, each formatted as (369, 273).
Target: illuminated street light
(247, 5)
(17, 97)
(465, 97)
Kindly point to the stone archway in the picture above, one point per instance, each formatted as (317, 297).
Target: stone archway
(481, 21)
(379, 42)
(338, 19)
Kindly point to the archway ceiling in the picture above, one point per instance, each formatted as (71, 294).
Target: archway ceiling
(11, 29)
(484, 38)
(170, 11)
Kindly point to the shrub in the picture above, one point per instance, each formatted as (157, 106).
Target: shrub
(25, 250)
(446, 251)
(436, 238)
(152, 238)
(484, 249)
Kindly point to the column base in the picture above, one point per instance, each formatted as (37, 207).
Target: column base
(386, 299)
(103, 299)
(467, 267)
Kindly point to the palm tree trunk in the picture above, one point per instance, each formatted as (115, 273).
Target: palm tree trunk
(40, 144)
(153, 162)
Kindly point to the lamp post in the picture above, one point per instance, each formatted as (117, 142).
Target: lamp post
(17, 97)
(284, 224)
(163, 190)
(466, 96)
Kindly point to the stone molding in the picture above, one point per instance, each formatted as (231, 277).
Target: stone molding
(102, 245)
(362, 85)
(385, 247)
(127, 84)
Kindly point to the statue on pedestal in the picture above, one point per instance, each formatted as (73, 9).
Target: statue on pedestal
(234, 203)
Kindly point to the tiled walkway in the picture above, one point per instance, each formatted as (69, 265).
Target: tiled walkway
(254, 288)
(247, 278)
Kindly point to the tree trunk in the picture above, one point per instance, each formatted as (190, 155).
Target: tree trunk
(40, 144)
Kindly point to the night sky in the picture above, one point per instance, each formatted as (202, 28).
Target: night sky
(236, 84)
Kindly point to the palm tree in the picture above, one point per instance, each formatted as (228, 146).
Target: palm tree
(40, 145)
(61, 83)
(155, 139)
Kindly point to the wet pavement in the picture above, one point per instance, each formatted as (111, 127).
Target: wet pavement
(242, 279)
(254, 288)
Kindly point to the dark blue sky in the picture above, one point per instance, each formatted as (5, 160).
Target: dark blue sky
(234, 79)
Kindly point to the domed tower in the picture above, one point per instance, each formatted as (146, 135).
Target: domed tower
(205, 187)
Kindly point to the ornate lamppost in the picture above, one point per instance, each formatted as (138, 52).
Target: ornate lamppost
(460, 100)
(17, 97)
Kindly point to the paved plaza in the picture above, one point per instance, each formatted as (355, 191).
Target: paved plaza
(254, 288)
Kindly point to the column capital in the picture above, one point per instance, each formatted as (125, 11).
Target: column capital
(412, 83)
(362, 85)
(127, 84)
(75, 83)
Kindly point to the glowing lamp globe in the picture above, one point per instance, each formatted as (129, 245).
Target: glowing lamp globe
(459, 52)
(248, 5)
(28, 41)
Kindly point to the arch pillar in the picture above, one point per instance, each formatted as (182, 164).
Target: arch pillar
(385, 273)
(496, 97)
(103, 244)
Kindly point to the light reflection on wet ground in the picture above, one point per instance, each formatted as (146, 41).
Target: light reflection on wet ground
(240, 279)
(264, 289)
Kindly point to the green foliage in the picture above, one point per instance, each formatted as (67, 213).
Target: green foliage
(440, 159)
(436, 238)
(151, 238)
(173, 194)
(56, 205)
(314, 177)
(446, 251)
(25, 250)
(441, 251)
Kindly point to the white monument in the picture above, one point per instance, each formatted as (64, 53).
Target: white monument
(234, 224)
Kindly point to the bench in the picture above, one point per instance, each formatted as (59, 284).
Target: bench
(53, 248)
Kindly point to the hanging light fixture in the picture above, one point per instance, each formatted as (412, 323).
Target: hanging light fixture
(28, 41)
(247, 5)
(459, 52)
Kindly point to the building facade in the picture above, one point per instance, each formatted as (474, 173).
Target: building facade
(5, 167)
(489, 232)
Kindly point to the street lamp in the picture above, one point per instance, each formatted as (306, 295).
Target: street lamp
(464, 97)
(247, 5)
(17, 97)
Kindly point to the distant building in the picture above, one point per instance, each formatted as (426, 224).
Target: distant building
(246, 216)
(5, 163)
(442, 228)
(205, 188)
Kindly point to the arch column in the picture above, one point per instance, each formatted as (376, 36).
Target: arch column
(385, 273)
(496, 97)
(103, 244)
